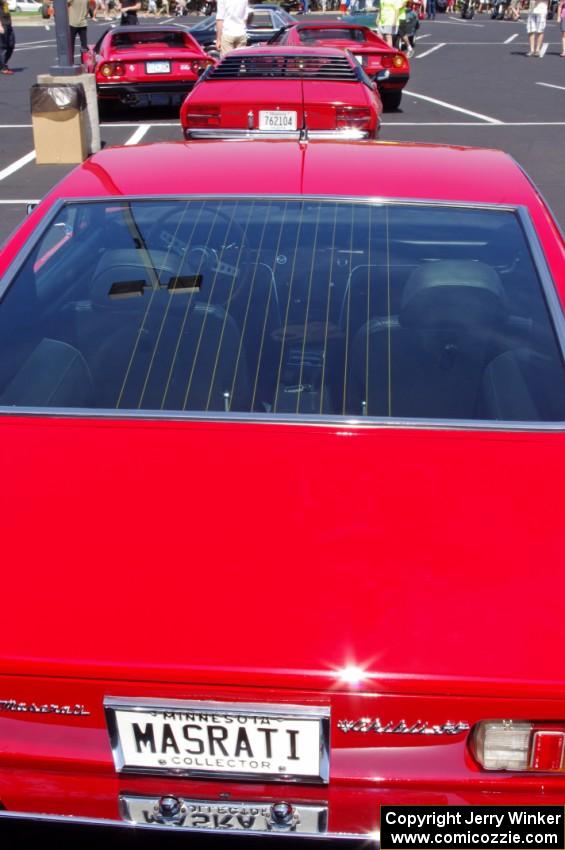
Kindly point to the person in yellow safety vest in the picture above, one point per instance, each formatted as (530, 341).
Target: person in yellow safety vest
(388, 19)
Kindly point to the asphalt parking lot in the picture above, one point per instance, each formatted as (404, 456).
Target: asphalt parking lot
(471, 84)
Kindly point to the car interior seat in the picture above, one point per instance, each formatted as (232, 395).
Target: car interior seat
(154, 338)
(427, 361)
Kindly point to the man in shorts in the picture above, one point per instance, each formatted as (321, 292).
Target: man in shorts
(231, 25)
(537, 16)
(388, 20)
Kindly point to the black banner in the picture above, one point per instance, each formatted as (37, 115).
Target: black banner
(471, 827)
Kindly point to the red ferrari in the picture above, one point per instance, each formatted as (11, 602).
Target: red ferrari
(137, 66)
(369, 48)
(282, 444)
(272, 91)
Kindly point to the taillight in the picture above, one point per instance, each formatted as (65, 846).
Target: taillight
(386, 61)
(203, 116)
(398, 61)
(112, 69)
(358, 117)
(519, 745)
(200, 65)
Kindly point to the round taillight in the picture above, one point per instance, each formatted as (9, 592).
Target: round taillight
(398, 60)
(106, 70)
(119, 69)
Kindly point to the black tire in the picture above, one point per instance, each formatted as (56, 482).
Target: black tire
(391, 100)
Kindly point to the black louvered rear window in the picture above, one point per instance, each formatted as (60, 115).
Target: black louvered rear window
(276, 66)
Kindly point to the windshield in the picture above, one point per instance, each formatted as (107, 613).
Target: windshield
(310, 36)
(127, 40)
(282, 306)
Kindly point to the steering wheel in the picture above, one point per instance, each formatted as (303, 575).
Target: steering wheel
(209, 244)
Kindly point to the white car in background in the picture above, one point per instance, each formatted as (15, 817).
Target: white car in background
(24, 6)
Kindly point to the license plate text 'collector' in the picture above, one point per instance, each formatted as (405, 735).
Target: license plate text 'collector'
(266, 742)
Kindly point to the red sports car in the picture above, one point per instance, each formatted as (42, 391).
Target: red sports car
(140, 65)
(370, 49)
(272, 91)
(282, 445)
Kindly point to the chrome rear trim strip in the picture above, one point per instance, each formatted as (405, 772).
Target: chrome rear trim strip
(370, 840)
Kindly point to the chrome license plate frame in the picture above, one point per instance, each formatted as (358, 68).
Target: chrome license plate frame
(146, 737)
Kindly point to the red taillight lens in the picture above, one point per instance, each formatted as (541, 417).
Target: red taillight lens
(112, 69)
(203, 116)
(386, 61)
(547, 750)
(357, 117)
(520, 745)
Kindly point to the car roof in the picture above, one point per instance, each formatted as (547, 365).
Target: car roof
(336, 168)
(146, 29)
(328, 25)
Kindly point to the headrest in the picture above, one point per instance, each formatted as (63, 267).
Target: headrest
(123, 274)
(452, 294)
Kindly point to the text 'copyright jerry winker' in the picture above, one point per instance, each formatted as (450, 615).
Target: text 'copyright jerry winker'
(466, 827)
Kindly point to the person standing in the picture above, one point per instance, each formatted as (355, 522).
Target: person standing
(130, 8)
(7, 37)
(537, 16)
(231, 25)
(78, 13)
(388, 20)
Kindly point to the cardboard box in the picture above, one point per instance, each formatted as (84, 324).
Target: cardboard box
(59, 117)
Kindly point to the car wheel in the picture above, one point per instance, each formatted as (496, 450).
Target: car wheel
(391, 100)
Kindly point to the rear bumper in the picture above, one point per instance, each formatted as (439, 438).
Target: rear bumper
(394, 82)
(143, 92)
(219, 133)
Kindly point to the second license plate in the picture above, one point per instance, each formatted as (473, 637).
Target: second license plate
(277, 119)
(158, 67)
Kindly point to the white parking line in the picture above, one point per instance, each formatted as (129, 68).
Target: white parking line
(431, 50)
(543, 50)
(420, 37)
(138, 135)
(551, 86)
(512, 37)
(452, 106)
(31, 43)
(459, 23)
(14, 201)
(34, 47)
(473, 124)
(15, 166)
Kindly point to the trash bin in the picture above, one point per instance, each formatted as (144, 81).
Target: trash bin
(59, 118)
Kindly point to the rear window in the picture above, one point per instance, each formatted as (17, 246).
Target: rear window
(311, 36)
(303, 306)
(127, 40)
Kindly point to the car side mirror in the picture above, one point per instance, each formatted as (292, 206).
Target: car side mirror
(30, 208)
(382, 76)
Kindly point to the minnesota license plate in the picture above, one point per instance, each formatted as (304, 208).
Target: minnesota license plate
(277, 119)
(158, 67)
(234, 816)
(281, 743)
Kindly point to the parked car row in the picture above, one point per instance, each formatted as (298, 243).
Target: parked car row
(312, 78)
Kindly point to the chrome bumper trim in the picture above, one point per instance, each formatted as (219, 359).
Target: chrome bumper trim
(370, 840)
(205, 133)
